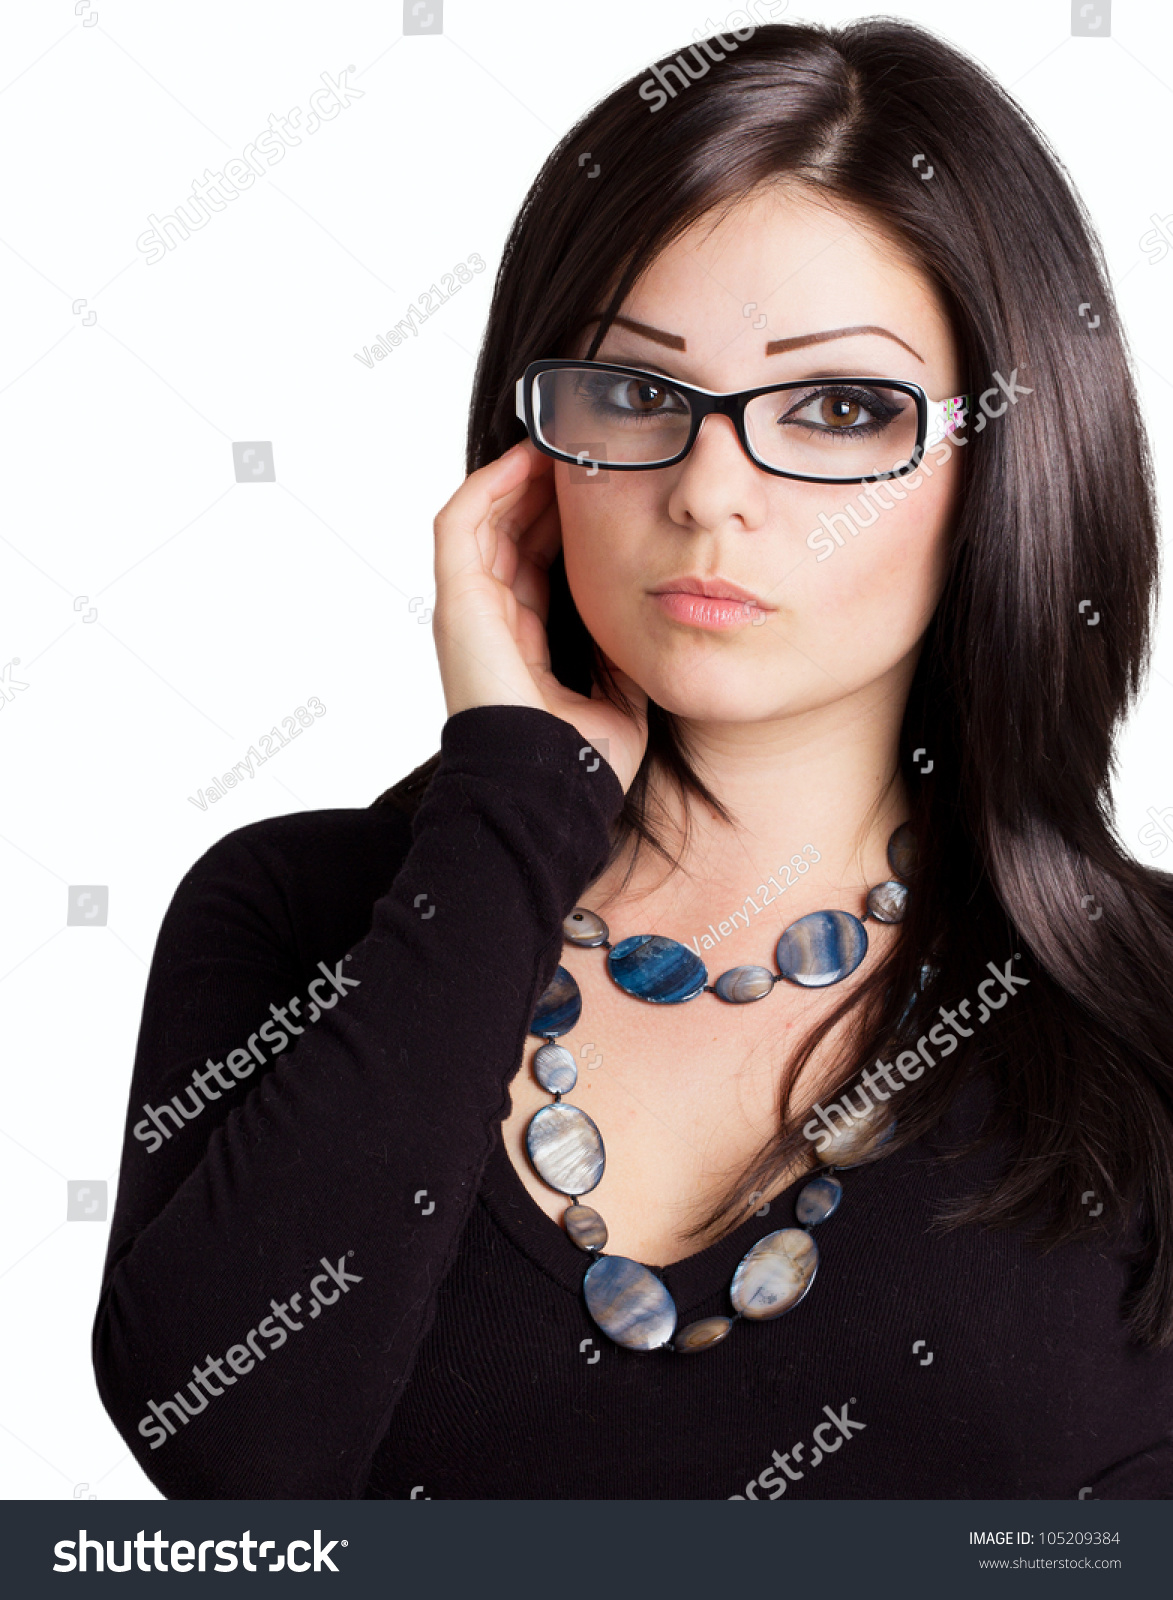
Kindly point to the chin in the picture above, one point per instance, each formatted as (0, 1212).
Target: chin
(711, 691)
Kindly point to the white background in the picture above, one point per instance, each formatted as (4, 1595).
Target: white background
(220, 606)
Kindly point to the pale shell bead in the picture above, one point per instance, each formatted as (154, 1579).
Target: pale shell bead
(566, 1148)
(902, 851)
(851, 1146)
(742, 984)
(585, 1227)
(555, 1069)
(583, 927)
(887, 902)
(774, 1274)
(702, 1335)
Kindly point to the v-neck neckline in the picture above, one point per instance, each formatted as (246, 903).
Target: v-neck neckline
(691, 1281)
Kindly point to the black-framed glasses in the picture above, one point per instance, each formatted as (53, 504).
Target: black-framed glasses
(822, 430)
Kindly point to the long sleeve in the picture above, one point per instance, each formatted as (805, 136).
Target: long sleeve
(269, 1262)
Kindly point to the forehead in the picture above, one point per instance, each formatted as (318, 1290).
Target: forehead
(801, 261)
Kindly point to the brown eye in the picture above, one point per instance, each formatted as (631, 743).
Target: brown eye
(837, 412)
(644, 396)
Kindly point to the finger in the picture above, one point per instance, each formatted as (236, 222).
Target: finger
(498, 534)
(531, 585)
(539, 473)
(513, 524)
(533, 643)
(457, 521)
(516, 511)
(541, 541)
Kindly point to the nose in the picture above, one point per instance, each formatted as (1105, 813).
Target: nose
(719, 483)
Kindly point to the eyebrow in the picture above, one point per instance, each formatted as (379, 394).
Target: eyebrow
(657, 335)
(775, 347)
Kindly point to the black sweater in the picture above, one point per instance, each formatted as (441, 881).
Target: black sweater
(333, 1234)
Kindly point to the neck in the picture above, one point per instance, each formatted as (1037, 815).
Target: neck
(827, 779)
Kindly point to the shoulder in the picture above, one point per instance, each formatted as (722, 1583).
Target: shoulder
(313, 844)
(322, 841)
(307, 879)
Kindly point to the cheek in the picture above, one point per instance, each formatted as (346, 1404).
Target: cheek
(878, 589)
(600, 517)
(844, 620)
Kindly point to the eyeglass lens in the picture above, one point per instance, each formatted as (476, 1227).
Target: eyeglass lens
(822, 429)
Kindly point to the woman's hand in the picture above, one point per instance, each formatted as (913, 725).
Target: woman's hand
(495, 540)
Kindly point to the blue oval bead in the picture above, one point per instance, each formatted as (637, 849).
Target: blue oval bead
(654, 968)
(818, 1200)
(629, 1303)
(821, 948)
(559, 1007)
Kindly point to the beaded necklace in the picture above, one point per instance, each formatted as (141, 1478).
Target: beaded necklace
(625, 1299)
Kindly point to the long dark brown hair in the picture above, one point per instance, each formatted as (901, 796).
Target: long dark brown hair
(1015, 696)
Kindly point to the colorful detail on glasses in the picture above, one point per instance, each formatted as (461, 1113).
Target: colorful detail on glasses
(953, 414)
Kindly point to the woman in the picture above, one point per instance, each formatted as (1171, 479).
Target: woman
(799, 681)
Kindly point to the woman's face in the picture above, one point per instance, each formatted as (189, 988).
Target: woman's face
(780, 267)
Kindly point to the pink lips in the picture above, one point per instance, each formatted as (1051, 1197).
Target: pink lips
(709, 603)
